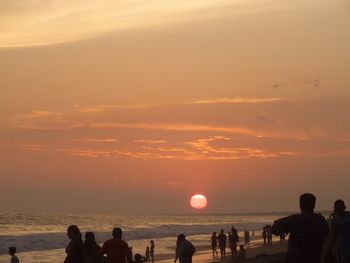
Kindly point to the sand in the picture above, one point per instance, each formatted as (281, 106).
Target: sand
(256, 254)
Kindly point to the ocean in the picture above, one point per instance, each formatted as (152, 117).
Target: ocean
(42, 237)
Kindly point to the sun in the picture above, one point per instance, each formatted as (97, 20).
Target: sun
(198, 201)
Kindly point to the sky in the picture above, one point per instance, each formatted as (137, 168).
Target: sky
(133, 106)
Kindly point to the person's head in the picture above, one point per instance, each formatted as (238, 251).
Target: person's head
(117, 233)
(181, 238)
(73, 232)
(90, 237)
(307, 202)
(152, 242)
(147, 248)
(221, 231)
(12, 251)
(214, 233)
(339, 207)
(241, 247)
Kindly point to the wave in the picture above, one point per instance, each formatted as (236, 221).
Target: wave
(48, 241)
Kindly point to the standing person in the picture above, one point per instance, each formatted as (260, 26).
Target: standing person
(75, 249)
(152, 251)
(148, 254)
(246, 238)
(233, 240)
(242, 255)
(222, 238)
(91, 249)
(264, 235)
(117, 250)
(184, 250)
(307, 232)
(214, 244)
(341, 228)
(12, 253)
(269, 234)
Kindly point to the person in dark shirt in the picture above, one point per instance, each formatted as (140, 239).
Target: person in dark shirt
(307, 232)
(184, 250)
(74, 250)
(92, 249)
(341, 229)
(214, 244)
(117, 250)
(222, 238)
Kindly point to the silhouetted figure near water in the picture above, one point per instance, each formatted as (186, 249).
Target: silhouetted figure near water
(214, 244)
(184, 250)
(75, 249)
(116, 249)
(92, 249)
(341, 232)
(12, 253)
(139, 258)
(233, 239)
(264, 235)
(307, 232)
(148, 254)
(246, 238)
(222, 238)
(242, 255)
(152, 251)
(269, 234)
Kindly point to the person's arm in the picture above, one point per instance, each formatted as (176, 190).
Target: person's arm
(176, 254)
(103, 249)
(282, 226)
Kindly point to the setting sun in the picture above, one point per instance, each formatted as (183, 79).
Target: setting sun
(198, 201)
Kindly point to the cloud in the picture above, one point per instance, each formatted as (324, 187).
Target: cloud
(90, 139)
(103, 108)
(35, 23)
(150, 141)
(238, 100)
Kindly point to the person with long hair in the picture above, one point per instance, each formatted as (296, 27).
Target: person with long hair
(74, 250)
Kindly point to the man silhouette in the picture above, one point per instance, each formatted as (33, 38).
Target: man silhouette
(341, 231)
(307, 232)
(117, 250)
(184, 249)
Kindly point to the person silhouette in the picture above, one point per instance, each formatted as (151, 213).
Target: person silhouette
(307, 232)
(12, 253)
(233, 240)
(222, 238)
(242, 255)
(184, 250)
(214, 244)
(152, 251)
(75, 249)
(340, 224)
(139, 258)
(148, 254)
(117, 250)
(91, 249)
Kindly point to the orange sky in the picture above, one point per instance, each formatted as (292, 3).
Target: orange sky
(118, 107)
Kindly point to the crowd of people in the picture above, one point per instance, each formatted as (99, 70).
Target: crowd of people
(307, 232)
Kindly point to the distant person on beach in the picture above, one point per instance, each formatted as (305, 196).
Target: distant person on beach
(233, 240)
(214, 243)
(148, 254)
(184, 250)
(307, 232)
(264, 235)
(12, 253)
(222, 238)
(152, 251)
(269, 234)
(92, 249)
(75, 249)
(117, 250)
(341, 231)
(139, 258)
(246, 238)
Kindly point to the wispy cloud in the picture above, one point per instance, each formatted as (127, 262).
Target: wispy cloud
(104, 108)
(91, 139)
(238, 100)
(150, 141)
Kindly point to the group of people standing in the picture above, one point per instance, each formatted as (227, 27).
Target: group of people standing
(221, 240)
(114, 250)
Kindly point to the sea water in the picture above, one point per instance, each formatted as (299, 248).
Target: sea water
(42, 237)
